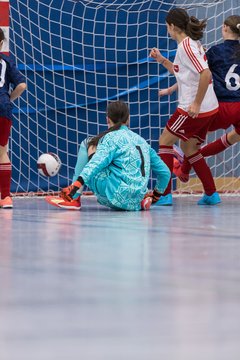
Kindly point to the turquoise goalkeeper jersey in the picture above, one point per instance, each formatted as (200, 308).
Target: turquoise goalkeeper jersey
(119, 171)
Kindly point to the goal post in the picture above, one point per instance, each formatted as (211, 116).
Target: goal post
(76, 56)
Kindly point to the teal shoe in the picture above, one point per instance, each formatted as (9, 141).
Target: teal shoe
(164, 200)
(210, 199)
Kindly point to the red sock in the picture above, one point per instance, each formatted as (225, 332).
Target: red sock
(203, 172)
(5, 179)
(210, 149)
(166, 154)
(215, 147)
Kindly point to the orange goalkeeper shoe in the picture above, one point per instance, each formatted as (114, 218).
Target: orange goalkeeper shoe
(64, 204)
(6, 203)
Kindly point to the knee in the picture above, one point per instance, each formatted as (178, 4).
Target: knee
(190, 148)
(166, 138)
(3, 150)
(233, 137)
(4, 158)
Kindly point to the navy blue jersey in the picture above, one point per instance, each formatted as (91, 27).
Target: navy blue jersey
(9, 76)
(225, 67)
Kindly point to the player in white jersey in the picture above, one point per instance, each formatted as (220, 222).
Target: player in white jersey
(197, 106)
(189, 63)
(224, 63)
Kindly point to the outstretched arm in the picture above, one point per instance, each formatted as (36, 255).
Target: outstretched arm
(168, 91)
(101, 159)
(155, 54)
(19, 89)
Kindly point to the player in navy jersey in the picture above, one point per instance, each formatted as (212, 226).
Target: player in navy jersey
(224, 63)
(197, 102)
(9, 77)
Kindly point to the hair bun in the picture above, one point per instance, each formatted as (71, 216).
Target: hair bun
(193, 19)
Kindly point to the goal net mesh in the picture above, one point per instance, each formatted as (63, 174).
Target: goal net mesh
(77, 56)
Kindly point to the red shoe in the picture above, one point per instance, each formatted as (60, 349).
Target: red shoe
(177, 170)
(6, 203)
(63, 204)
(146, 203)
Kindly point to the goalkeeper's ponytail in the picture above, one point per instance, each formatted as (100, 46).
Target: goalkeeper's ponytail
(118, 112)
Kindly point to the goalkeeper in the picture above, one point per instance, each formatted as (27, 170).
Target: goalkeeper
(116, 166)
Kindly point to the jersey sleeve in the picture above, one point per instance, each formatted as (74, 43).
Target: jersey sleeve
(104, 155)
(194, 56)
(209, 57)
(160, 170)
(16, 77)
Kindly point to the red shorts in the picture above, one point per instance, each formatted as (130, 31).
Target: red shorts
(5, 128)
(185, 127)
(229, 114)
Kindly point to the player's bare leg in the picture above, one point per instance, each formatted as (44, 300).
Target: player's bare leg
(5, 178)
(166, 152)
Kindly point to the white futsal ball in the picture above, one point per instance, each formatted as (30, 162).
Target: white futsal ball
(48, 164)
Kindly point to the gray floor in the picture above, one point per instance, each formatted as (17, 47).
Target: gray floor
(98, 284)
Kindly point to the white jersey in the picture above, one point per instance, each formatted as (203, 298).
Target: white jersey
(189, 62)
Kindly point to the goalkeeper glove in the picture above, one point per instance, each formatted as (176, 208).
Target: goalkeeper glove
(67, 193)
(155, 196)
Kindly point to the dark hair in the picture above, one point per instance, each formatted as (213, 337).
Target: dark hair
(233, 22)
(2, 36)
(118, 112)
(189, 24)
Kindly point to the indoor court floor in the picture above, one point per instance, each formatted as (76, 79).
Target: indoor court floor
(98, 284)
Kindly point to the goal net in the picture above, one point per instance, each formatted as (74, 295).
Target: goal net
(76, 56)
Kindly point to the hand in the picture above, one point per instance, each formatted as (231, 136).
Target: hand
(155, 54)
(164, 92)
(155, 196)
(67, 193)
(169, 90)
(194, 110)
